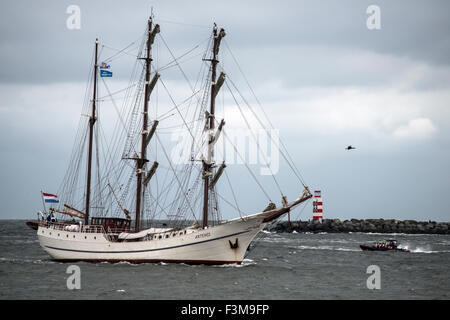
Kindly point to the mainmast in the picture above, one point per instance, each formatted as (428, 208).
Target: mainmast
(144, 134)
(211, 138)
(92, 120)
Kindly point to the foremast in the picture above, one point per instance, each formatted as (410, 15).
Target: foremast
(145, 134)
(92, 120)
(211, 135)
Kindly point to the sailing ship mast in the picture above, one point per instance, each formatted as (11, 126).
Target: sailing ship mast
(140, 162)
(207, 165)
(92, 120)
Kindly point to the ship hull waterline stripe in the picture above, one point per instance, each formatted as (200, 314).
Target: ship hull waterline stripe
(148, 250)
(139, 261)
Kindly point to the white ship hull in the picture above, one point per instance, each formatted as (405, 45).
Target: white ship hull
(225, 243)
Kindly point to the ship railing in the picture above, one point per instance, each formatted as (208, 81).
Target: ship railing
(93, 228)
(74, 227)
(117, 230)
(63, 226)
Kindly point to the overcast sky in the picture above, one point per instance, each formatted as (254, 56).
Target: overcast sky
(325, 79)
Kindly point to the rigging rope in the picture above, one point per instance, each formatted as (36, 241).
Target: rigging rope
(256, 140)
(178, 110)
(277, 145)
(234, 196)
(290, 162)
(179, 183)
(111, 94)
(120, 51)
(246, 165)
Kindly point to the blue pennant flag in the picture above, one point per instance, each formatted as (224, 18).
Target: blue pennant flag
(105, 73)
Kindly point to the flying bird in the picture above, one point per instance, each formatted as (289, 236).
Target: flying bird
(350, 148)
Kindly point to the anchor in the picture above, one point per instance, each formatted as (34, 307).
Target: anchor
(234, 245)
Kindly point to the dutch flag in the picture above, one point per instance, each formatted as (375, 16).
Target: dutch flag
(50, 198)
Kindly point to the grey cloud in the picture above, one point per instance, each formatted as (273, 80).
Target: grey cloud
(299, 44)
(36, 46)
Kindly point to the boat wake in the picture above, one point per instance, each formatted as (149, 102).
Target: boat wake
(326, 248)
(245, 263)
(426, 249)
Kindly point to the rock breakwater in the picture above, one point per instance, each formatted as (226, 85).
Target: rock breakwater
(365, 225)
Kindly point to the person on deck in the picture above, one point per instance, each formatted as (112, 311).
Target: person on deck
(49, 219)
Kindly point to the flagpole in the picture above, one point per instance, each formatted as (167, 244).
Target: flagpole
(43, 202)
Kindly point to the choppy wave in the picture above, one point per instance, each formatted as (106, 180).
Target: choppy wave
(391, 234)
(273, 265)
(27, 261)
(277, 240)
(9, 241)
(245, 263)
(426, 249)
(303, 247)
(307, 232)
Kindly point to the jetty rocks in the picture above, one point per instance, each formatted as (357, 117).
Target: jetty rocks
(365, 225)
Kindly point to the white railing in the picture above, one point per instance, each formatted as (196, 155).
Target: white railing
(109, 233)
(73, 227)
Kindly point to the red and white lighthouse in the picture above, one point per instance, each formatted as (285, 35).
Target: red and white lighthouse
(317, 207)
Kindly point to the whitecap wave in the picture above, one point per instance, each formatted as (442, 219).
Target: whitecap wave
(425, 250)
(326, 248)
(36, 261)
(245, 263)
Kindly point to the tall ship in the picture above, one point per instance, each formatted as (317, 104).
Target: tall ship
(129, 199)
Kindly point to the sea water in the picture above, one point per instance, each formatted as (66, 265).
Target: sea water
(278, 266)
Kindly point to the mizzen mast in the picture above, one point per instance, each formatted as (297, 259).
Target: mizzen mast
(92, 120)
(141, 160)
(211, 137)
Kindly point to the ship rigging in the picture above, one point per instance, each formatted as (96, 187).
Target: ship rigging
(130, 173)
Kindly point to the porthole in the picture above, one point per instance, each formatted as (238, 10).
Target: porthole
(167, 236)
